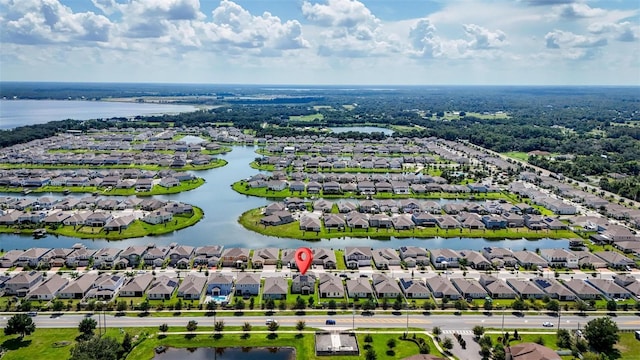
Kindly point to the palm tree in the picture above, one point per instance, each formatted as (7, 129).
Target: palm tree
(436, 331)
(246, 327)
(300, 325)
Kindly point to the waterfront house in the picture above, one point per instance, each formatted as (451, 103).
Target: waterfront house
(235, 257)
(444, 258)
(356, 257)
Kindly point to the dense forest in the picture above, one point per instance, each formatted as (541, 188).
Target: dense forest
(597, 129)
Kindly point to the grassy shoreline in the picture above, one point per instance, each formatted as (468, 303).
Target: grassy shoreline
(251, 221)
(156, 190)
(135, 230)
(212, 165)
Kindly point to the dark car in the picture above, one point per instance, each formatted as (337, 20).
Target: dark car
(330, 322)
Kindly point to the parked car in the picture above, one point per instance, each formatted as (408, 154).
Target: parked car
(547, 324)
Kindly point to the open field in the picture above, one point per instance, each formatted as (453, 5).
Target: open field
(307, 118)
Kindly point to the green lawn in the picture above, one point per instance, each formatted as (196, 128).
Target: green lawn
(628, 346)
(251, 221)
(518, 155)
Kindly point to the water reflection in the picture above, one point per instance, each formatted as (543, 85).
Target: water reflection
(271, 353)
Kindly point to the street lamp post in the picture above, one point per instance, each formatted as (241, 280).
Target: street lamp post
(353, 318)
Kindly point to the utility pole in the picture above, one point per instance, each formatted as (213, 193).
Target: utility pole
(353, 318)
(559, 310)
(502, 321)
(407, 318)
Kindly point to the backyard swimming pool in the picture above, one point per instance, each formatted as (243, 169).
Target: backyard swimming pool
(220, 299)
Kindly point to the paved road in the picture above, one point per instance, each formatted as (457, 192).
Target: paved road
(448, 323)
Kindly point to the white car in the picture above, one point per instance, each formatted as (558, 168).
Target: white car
(269, 321)
(547, 324)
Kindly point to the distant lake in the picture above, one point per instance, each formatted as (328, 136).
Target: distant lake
(228, 354)
(14, 113)
(362, 129)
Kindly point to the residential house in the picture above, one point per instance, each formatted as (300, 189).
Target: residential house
(528, 259)
(221, 284)
(469, 288)
(356, 257)
(134, 255)
(582, 289)
(499, 257)
(610, 289)
(192, 287)
(475, 260)
(162, 288)
(80, 256)
(441, 287)
(247, 284)
(303, 284)
(48, 289)
(32, 257)
(560, 258)
(554, 289)
(208, 255)
(615, 259)
(359, 287)
(78, 288)
(136, 286)
(266, 256)
(385, 286)
(275, 288)
(23, 283)
(385, 257)
(235, 257)
(105, 258)
(526, 289)
(530, 351)
(628, 282)
(155, 255)
(331, 286)
(414, 289)
(444, 258)
(413, 255)
(106, 287)
(9, 258)
(496, 288)
(178, 253)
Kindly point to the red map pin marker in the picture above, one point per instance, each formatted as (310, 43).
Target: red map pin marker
(304, 257)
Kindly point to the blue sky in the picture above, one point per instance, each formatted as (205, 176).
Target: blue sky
(413, 42)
